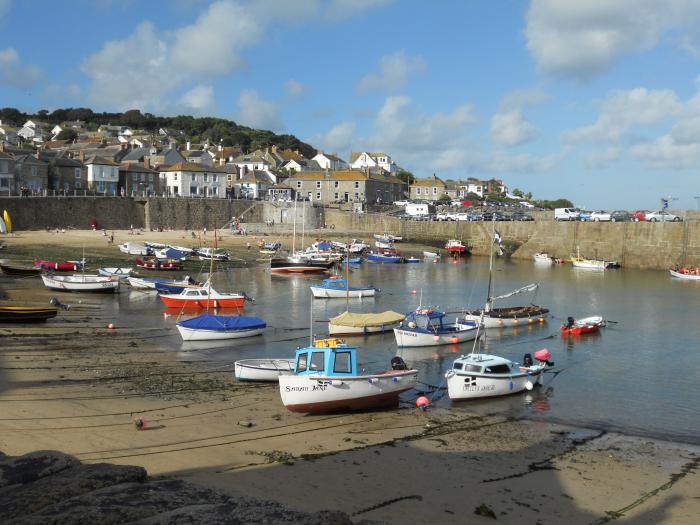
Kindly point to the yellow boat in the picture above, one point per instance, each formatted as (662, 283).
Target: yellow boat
(26, 314)
(8, 222)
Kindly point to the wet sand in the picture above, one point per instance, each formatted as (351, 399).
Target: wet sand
(76, 386)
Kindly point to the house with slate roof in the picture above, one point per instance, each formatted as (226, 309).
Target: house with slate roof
(347, 186)
(137, 179)
(362, 160)
(7, 173)
(326, 161)
(186, 179)
(102, 175)
(430, 189)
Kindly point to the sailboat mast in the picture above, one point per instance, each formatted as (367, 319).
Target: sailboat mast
(347, 275)
(303, 223)
(211, 271)
(489, 294)
(294, 229)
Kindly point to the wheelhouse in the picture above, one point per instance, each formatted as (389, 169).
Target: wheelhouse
(484, 364)
(327, 357)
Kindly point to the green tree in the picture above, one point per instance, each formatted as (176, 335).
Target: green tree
(444, 198)
(67, 134)
(406, 176)
(518, 193)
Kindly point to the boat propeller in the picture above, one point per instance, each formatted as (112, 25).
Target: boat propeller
(55, 302)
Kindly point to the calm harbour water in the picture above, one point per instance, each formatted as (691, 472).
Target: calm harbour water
(639, 375)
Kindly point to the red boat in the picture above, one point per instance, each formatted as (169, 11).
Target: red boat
(202, 297)
(586, 325)
(66, 266)
(455, 246)
(159, 264)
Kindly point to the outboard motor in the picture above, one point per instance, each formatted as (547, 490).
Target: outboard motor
(570, 322)
(58, 304)
(527, 360)
(397, 363)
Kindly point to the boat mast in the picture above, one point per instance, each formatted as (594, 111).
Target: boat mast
(347, 275)
(294, 228)
(489, 294)
(211, 271)
(303, 223)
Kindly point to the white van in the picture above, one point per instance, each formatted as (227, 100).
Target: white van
(567, 214)
(419, 209)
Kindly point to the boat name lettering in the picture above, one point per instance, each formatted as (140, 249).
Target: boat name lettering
(296, 388)
(477, 388)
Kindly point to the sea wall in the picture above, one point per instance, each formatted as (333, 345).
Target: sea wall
(633, 244)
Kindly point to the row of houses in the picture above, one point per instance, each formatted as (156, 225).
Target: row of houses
(434, 188)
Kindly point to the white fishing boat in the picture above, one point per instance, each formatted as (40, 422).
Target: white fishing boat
(338, 288)
(350, 323)
(262, 369)
(384, 244)
(149, 283)
(80, 283)
(135, 248)
(484, 375)
(685, 275)
(543, 258)
(431, 255)
(326, 378)
(387, 237)
(210, 254)
(211, 327)
(426, 327)
(115, 272)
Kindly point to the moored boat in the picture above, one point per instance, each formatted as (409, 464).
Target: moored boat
(66, 266)
(135, 248)
(173, 254)
(202, 297)
(426, 327)
(115, 272)
(26, 314)
(690, 274)
(377, 257)
(431, 255)
(80, 283)
(269, 369)
(159, 264)
(326, 379)
(210, 254)
(456, 247)
(149, 283)
(337, 288)
(411, 260)
(351, 323)
(591, 264)
(299, 265)
(12, 269)
(585, 325)
(483, 375)
(207, 327)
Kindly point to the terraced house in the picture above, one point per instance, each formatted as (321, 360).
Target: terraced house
(429, 189)
(186, 179)
(346, 186)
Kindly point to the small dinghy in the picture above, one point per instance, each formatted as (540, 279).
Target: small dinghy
(262, 369)
(431, 255)
(585, 325)
(688, 274)
(11, 269)
(208, 327)
(210, 254)
(483, 375)
(337, 288)
(426, 327)
(326, 379)
(412, 260)
(26, 314)
(80, 283)
(173, 253)
(159, 264)
(384, 258)
(149, 283)
(66, 266)
(115, 272)
(350, 323)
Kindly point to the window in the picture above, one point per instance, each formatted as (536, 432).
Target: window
(193, 190)
(77, 184)
(308, 195)
(472, 368)
(342, 363)
(205, 177)
(318, 195)
(337, 195)
(194, 177)
(498, 369)
(213, 177)
(150, 177)
(457, 366)
(298, 184)
(357, 184)
(214, 191)
(35, 172)
(134, 176)
(417, 191)
(318, 185)
(174, 176)
(301, 363)
(77, 173)
(336, 184)
(5, 183)
(317, 361)
(434, 191)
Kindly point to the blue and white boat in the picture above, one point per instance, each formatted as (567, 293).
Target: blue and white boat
(413, 260)
(170, 287)
(337, 287)
(149, 283)
(116, 272)
(207, 327)
(426, 327)
(326, 379)
(173, 253)
(384, 258)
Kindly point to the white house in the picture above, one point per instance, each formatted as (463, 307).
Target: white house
(102, 175)
(186, 179)
(362, 160)
(326, 161)
(252, 162)
(254, 185)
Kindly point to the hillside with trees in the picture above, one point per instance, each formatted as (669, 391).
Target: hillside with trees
(196, 129)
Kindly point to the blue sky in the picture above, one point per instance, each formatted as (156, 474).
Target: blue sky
(597, 101)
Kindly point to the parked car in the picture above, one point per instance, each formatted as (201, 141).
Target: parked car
(662, 216)
(584, 215)
(521, 216)
(443, 216)
(640, 215)
(566, 214)
(598, 216)
(620, 216)
(401, 203)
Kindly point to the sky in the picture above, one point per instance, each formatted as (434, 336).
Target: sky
(597, 101)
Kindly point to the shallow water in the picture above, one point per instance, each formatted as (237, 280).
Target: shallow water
(638, 375)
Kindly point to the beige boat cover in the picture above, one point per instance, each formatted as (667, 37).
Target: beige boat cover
(360, 320)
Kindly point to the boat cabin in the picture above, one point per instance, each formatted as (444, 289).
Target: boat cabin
(425, 320)
(484, 364)
(328, 357)
(335, 283)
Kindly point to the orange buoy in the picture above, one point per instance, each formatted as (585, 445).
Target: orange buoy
(111, 326)
(422, 402)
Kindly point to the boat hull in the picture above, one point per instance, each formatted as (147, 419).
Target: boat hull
(262, 369)
(26, 314)
(320, 394)
(198, 334)
(679, 275)
(505, 320)
(9, 269)
(337, 329)
(408, 337)
(299, 266)
(177, 302)
(81, 283)
(319, 292)
(472, 385)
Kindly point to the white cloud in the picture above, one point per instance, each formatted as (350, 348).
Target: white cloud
(210, 46)
(603, 158)
(199, 99)
(339, 138)
(13, 72)
(255, 112)
(583, 39)
(500, 162)
(132, 73)
(622, 111)
(394, 73)
(294, 89)
(510, 128)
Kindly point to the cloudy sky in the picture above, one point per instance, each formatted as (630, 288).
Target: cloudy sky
(596, 100)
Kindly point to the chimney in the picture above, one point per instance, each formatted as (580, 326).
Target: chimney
(82, 156)
(274, 148)
(189, 145)
(147, 162)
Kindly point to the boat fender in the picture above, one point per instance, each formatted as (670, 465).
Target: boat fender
(528, 385)
(422, 402)
(336, 382)
(411, 324)
(372, 380)
(455, 339)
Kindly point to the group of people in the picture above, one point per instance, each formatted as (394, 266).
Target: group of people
(690, 270)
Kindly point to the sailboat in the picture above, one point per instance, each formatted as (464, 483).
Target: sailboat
(206, 327)
(297, 263)
(506, 316)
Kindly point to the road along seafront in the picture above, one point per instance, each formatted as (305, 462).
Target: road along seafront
(76, 386)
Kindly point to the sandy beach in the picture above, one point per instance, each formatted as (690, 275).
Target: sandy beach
(78, 387)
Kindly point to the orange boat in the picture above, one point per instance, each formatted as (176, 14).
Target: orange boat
(202, 297)
(586, 325)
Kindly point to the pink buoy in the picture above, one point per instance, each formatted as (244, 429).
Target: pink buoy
(413, 292)
(436, 338)
(111, 326)
(455, 339)
(422, 402)
(543, 355)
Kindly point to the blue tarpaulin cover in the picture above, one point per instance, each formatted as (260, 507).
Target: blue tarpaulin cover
(172, 253)
(223, 322)
(323, 245)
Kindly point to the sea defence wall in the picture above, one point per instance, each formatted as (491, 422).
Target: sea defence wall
(119, 213)
(633, 244)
